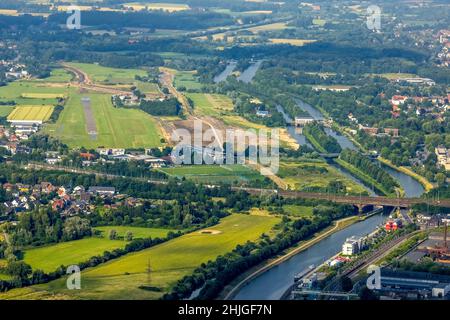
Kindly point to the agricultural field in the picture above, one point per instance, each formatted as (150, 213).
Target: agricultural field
(6, 110)
(169, 261)
(268, 27)
(170, 7)
(293, 42)
(14, 92)
(31, 113)
(310, 176)
(186, 79)
(138, 232)
(58, 75)
(238, 174)
(210, 104)
(116, 127)
(50, 257)
(106, 75)
(43, 96)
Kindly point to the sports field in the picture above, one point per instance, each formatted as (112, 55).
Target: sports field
(116, 127)
(108, 75)
(169, 262)
(35, 113)
(138, 232)
(232, 174)
(210, 104)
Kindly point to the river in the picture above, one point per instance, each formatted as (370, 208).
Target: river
(272, 284)
(248, 74)
(411, 186)
(225, 73)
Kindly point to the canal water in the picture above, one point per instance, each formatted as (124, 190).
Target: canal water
(411, 186)
(248, 74)
(272, 284)
(225, 73)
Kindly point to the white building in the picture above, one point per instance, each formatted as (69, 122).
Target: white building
(352, 245)
(302, 121)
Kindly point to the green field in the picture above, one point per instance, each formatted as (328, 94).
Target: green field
(215, 173)
(138, 232)
(298, 211)
(108, 75)
(33, 113)
(15, 90)
(186, 79)
(58, 75)
(116, 127)
(307, 176)
(6, 110)
(210, 104)
(169, 261)
(67, 253)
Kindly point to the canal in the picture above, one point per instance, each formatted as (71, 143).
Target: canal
(225, 73)
(248, 74)
(272, 284)
(411, 186)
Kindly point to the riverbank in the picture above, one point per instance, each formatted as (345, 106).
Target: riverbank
(363, 177)
(422, 180)
(232, 289)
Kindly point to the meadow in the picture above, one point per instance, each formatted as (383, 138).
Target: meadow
(215, 173)
(50, 257)
(106, 75)
(36, 93)
(307, 176)
(169, 262)
(138, 232)
(116, 127)
(298, 211)
(186, 79)
(210, 104)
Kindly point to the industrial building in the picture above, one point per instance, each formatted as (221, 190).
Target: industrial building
(413, 285)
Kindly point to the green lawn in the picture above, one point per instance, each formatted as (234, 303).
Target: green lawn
(138, 232)
(215, 173)
(49, 258)
(169, 262)
(108, 75)
(116, 127)
(186, 79)
(298, 211)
